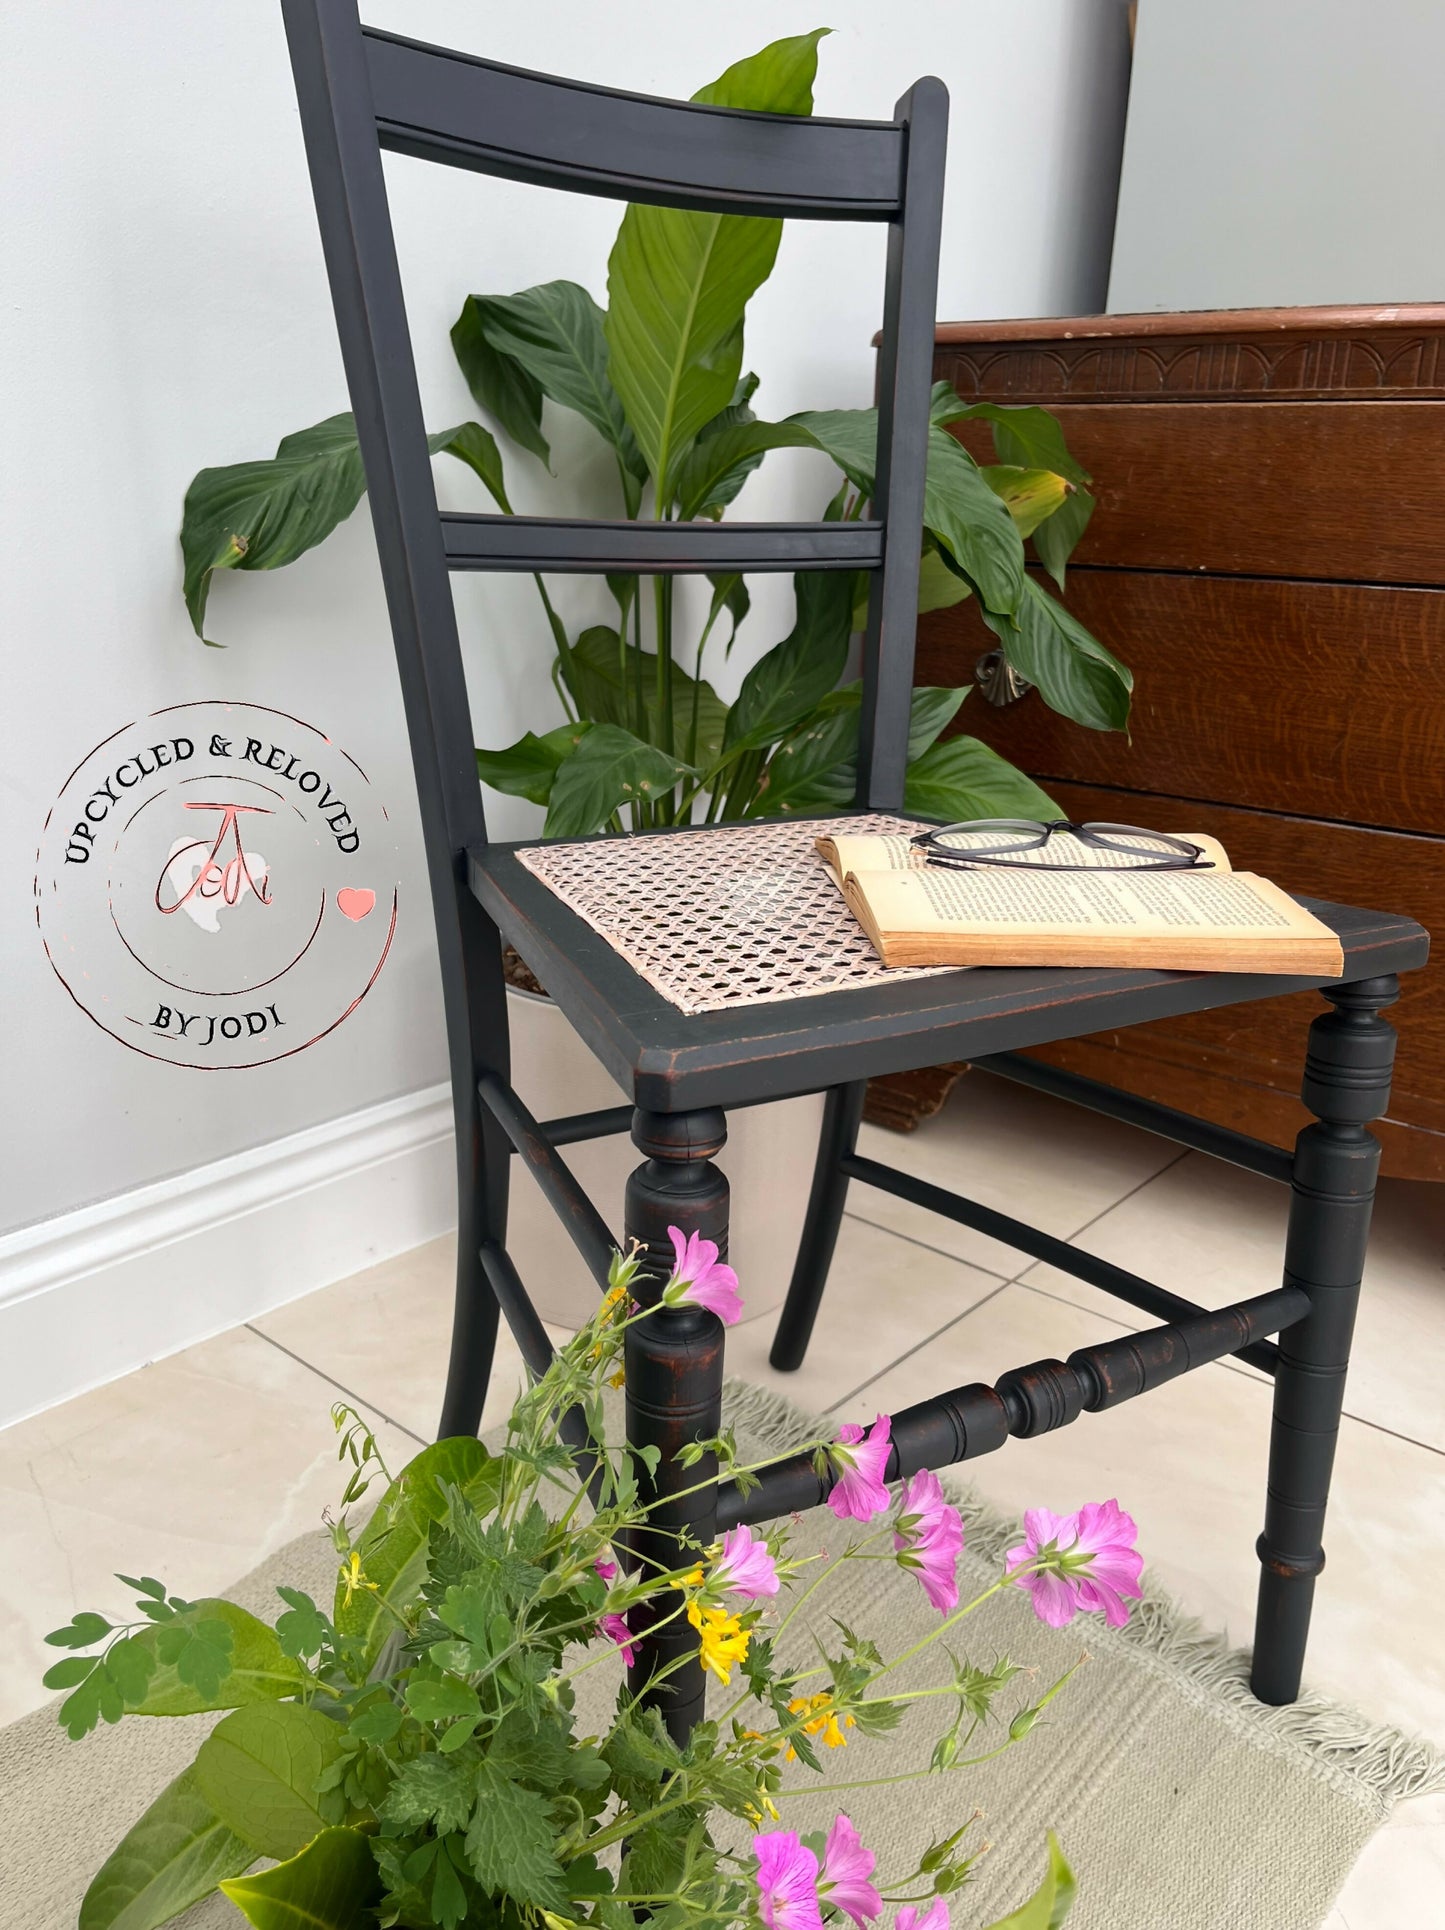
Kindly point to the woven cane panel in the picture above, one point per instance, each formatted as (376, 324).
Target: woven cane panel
(741, 915)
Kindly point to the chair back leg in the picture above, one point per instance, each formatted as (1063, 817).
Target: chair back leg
(479, 1042)
(842, 1116)
(1346, 1084)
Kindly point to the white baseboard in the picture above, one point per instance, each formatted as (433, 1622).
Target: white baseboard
(95, 1293)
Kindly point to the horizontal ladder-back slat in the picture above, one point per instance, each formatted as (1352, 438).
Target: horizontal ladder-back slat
(1028, 1401)
(530, 543)
(442, 106)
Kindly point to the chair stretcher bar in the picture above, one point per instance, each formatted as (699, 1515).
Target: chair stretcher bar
(584, 1224)
(1030, 1400)
(1103, 1274)
(1255, 1155)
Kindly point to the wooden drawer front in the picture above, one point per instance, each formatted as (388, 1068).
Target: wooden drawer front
(1263, 1043)
(1320, 699)
(1339, 490)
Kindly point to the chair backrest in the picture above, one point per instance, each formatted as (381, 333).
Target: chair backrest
(361, 91)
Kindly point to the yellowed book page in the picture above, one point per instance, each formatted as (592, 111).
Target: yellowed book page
(897, 852)
(1179, 921)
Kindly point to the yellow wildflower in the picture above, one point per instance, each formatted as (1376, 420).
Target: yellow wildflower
(619, 1379)
(824, 1721)
(723, 1640)
(352, 1578)
(768, 1808)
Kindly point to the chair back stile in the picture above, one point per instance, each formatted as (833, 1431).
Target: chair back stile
(338, 122)
(905, 377)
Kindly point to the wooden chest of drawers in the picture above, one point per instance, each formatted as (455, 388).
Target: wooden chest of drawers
(1268, 554)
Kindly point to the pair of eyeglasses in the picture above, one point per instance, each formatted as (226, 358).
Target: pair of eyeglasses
(1013, 841)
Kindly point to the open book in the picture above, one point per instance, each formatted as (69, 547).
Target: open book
(1219, 920)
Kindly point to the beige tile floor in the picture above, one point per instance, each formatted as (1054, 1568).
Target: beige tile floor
(198, 1466)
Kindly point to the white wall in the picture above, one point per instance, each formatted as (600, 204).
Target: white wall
(166, 308)
(1281, 153)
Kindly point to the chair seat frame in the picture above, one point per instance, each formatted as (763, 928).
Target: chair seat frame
(360, 92)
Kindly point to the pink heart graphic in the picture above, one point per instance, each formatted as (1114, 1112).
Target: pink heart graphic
(354, 903)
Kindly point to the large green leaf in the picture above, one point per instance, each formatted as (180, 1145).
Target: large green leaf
(393, 1545)
(1022, 433)
(816, 767)
(739, 411)
(1050, 1903)
(722, 459)
(499, 383)
(1030, 496)
(608, 769)
(932, 710)
(959, 509)
(260, 1770)
(330, 1885)
(796, 674)
(605, 677)
(176, 1854)
(1032, 438)
(258, 1670)
(554, 334)
(263, 515)
(1074, 673)
(526, 768)
(509, 1843)
(679, 281)
(962, 778)
(1058, 535)
(477, 447)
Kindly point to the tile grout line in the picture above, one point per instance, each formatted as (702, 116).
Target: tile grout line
(1013, 1280)
(331, 1381)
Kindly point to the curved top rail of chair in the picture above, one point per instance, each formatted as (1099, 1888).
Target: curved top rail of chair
(438, 105)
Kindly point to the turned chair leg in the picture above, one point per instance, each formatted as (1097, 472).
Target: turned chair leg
(1346, 1084)
(842, 1116)
(674, 1367)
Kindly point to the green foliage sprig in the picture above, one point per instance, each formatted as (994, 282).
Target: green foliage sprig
(410, 1754)
(659, 375)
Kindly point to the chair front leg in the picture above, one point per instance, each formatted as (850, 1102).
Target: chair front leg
(674, 1375)
(1346, 1084)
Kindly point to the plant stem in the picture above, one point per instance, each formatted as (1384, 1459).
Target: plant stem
(564, 654)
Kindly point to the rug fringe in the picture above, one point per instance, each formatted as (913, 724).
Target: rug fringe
(1372, 1760)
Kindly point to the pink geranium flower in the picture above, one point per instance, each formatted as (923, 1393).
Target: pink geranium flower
(929, 1539)
(616, 1630)
(700, 1279)
(847, 1867)
(787, 1882)
(1081, 1561)
(935, 1917)
(859, 1461)
(744, 1566)
(606, 1569)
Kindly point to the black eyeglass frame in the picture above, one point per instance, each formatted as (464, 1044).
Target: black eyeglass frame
(1180, 856)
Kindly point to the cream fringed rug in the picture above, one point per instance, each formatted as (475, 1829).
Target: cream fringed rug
(1181, 1802)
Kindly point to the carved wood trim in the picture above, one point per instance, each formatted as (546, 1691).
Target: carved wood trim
(1280, 354)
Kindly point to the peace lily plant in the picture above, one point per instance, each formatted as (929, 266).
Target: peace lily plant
(427, 1749)
(644, 738)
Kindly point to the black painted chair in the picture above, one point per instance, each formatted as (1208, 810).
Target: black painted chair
(361, 92)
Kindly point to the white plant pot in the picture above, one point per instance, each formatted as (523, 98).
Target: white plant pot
(768, 1160)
